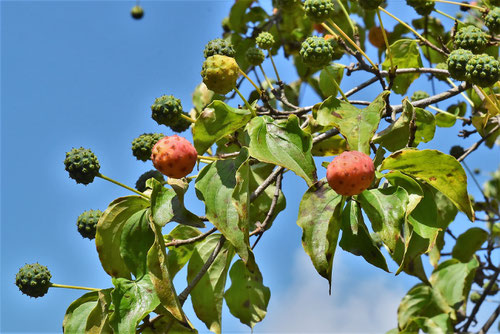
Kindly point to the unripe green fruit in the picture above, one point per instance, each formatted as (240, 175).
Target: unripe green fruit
(316, 52)
(483, 70)
(350, 173)
(219, 46)
(182, 124)
(141, 181)
(137, 12)
(265, 40)
(370, 4)
(422, 7)
(457, 62)
(492, 20)
(82, 165)
(319, 10)
(255, 56)
(33, 280)
(142, 145)
(87, 223)
(220, 73)
(474, 297)
(494, 288)
(166, 110)
(471, 38)
(419, 95)
(457, 151)
(338, 51)
(174, 156)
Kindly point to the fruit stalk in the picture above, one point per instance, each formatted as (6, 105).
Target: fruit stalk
(122, 185)
(53, 285)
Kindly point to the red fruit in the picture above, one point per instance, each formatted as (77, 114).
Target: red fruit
(174, 156)
(350, 173)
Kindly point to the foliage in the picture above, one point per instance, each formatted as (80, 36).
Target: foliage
(404, 214)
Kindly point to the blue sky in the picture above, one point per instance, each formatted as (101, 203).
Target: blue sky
(84, 73)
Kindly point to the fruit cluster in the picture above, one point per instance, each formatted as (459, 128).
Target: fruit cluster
(167, 110)
(482, 70)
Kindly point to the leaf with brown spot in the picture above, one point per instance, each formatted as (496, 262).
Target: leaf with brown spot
(434, 167)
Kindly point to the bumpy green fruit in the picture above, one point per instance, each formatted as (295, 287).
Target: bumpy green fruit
(494, 288)
(492, 20)
(265, 40)
(141, 181)
(457, 62)
(182, 124)
(338, 51)
(350, 173)
(471, 38)
(137, 12)
(82, 165)
(33, 280)
(166, 110)
(474, 297)
(483, 70)
(457, 151)
(316, 52)
(220, 73)
(174, 156)
(255, 56)
(422, 7)
(319, 10)
(370, 4)
(419, 95)
(219, 46)
(87, 223)
(142, 145)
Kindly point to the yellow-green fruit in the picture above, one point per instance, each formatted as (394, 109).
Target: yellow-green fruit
(220, 73)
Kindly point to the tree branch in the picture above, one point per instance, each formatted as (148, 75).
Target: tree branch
(490, 321)
(476, 144)
(179, 242)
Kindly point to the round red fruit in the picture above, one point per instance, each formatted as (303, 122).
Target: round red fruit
(174, 156)
(350, 173)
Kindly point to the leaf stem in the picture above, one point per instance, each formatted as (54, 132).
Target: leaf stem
(265, 76)
(448, 113)
(481, 9)
(246, 102)
(405, 24)
(336, 84)
(386, 41)
(251, 81)
(274, 65)
(340, 31)
(354, 29)
(122, 185)
(462, 93)
(53, 285)
(200, 157)
(187, 118)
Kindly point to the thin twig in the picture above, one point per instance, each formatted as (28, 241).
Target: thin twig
(270, 179)
(490, 321)
(185, 293)
(476, 144)
(179, 242)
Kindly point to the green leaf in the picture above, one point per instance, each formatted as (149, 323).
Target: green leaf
(357, 125)
(133, 300)
(422, 301)
(181, 214)
(168, 324)
(330, 146)
(178, 256)
(396, 135)
(320, 220)
(98, 319)
(284, 144)
(161, 278)
(405, 54)
(161, 203)
(330, 72)
(109, 232)
(440, 170)
(247, 297)
(136, 239)
(236, 15)
(386, 210)
(75, 319)
(202, 96)
(439, 324)
(356, 238)
(468, 243)
(215, 185)
(207, 295)
(453, 280)
(216, 121)
(448, 120)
